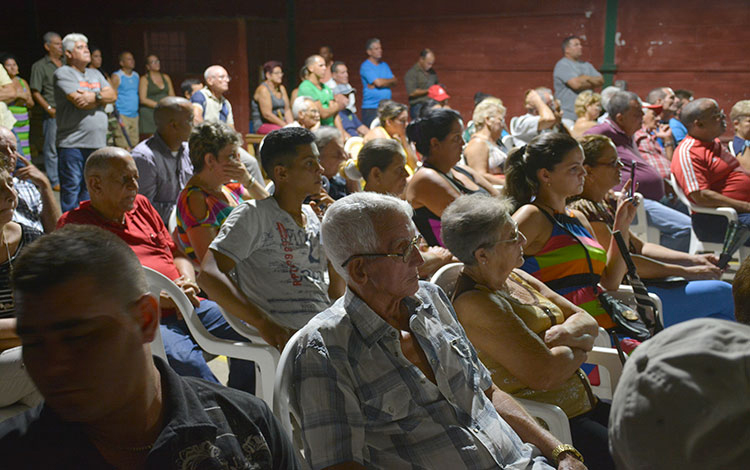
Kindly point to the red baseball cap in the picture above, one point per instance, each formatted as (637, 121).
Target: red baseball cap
(437, 93)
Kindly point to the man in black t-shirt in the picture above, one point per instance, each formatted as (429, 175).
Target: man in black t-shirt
(86, 318)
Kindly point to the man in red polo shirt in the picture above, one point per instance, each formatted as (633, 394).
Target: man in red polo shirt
(112, 180)
(707, 172)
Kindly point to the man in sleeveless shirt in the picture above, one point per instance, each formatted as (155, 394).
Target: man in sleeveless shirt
(125, 81)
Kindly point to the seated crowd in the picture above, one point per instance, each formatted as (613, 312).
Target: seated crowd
(331, 234)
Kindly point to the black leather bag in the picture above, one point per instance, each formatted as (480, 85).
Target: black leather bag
(626, 318)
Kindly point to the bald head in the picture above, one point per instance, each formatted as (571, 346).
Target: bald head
(104, 159)
(704, 119)
(6, 135)
(217, 79)
(8, 148)
(169, 109)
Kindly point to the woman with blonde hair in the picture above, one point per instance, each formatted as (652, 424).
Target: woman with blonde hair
(588, 106)
(482, 152)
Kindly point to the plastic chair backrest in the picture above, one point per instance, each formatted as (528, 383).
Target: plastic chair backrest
(283, 408)
(446, 277)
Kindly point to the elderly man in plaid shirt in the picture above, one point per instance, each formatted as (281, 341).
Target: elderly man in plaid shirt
(647, 140)
(386, 377)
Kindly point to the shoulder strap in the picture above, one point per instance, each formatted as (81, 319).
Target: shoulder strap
(585, 250)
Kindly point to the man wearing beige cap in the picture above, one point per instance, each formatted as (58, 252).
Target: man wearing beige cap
(683, 400)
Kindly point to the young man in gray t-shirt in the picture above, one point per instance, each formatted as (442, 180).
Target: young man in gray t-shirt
(267, 265)
(80, 95)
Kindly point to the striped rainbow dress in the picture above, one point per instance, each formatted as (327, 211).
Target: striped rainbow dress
(561, 264)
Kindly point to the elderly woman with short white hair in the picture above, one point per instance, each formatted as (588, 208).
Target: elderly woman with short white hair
(482, 152)
(531, 339)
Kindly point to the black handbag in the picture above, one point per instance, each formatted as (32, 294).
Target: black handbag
(628, 321)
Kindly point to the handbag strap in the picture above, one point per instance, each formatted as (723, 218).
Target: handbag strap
(556, 222)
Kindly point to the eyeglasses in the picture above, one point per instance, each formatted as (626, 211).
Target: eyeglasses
(223, 77)
(405, 256)
(516, 238)
(613, 164)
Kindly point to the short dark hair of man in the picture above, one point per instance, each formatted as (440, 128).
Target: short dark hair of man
(741, 293)
(77, 251)
(683, 94)
(187, 85)
(567, 40)
(210, 137)
(280, 147)
(695, 111)
(370, 42)
(424, 52)
(336, 65)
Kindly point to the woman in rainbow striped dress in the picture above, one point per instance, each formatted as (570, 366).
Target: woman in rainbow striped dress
(20, 107)
(561, 250)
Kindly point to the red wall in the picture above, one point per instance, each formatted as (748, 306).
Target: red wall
(505, 47)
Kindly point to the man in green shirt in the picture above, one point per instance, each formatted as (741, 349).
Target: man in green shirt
(328, 104)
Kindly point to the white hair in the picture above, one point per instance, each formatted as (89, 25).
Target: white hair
(301, 103)
(70, 40)
(349, 227)
(324, 135)
(209, 72)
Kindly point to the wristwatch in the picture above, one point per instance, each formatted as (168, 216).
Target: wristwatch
(566, 448)
(98, 97)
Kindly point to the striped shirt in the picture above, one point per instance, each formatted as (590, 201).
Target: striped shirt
(700, 165)
(562, 265)
(360, 399)
(7, 305)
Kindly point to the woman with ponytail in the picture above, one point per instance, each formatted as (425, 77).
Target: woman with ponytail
(441, 179)
(561, 250)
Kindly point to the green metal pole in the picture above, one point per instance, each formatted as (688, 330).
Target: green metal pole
(291, 38)
(610, 30)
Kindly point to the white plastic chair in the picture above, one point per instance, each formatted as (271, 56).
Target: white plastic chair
(265, 356)
(640, 226)
(696, 245)
(446, 277)
(552, 416)
(284, 410)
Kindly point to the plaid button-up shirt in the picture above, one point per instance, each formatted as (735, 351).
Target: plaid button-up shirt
(29, 210)
(652, 151)
(360, 399)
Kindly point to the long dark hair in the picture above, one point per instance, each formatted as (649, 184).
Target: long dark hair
(437, 123)
(544, 151)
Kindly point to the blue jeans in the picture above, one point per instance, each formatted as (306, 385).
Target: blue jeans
(673, 225)
(696, 299)
(49, 150)
(186, 357)
(369, 115)
(70, 163)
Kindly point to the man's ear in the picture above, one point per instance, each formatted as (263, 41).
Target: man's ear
(94, 184)
(357, 272)
(148, 315)
(280, 173)
(376, 173)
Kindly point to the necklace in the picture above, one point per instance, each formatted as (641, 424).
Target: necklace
(554, 211)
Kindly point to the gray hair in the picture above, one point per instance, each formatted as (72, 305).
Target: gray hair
(545, 93)
(471, 222)
(301, 103)
(324, 135)
(656, 94)
(49, 36)
(485, 109)
(70, 40)
(619, 102)
(607, 94)
(100, 160)
(349, 225)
